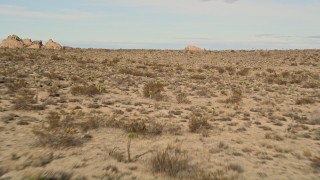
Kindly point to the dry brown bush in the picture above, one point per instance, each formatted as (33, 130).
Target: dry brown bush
(243, 72)
(58, 132)
(170, 161)
(236, 96)
(85, 90)
(198, 76)
(143, 126)
(305, 100)
(182, 98)
(136, 72)
(153, 90)
(198, 122)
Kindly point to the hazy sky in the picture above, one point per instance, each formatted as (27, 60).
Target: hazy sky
(166, 24)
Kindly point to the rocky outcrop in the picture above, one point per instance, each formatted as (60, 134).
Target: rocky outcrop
(14, 41)
(52, 45)
(193, 48)
(27, 42)
(35, 45)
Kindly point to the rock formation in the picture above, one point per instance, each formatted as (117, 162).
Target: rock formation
(35, 45)
(193, 48)
(52, 45)
(27, 42)
(14, 41)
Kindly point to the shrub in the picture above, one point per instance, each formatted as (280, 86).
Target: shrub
(243, 72)
(274, 136)
(170, 161)
(143, 126)
(316, 163)
(136, 72)
(56, 57)
(153, 90)
(61, 175)
(198, 77)
(182, 98)
(25, 101)
(315, 118)
(198, 122)
(16, 85)
(305, 100)
(85, 90)
(58, 132)
(236, 96)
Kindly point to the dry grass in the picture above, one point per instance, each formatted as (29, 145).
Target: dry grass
(198, 122)
(170, 161)
(182, 98)
(235, 97)
(58, 132)
(85, 90)
(153, 90)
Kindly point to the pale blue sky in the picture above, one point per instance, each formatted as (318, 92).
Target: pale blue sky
(166, 24)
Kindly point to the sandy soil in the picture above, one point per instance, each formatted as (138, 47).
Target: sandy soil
(70, 114)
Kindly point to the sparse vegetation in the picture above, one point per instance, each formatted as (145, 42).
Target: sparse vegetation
(221, 113)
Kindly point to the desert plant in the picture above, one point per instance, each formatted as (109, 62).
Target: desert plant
(198, 77)
(305, 100)
(61, 175)
(171, 161)
(58, 132)
(153, 90)
(243, 72)
(236, 96)
(85, 90)
(130, 137)
(198, 122)
(182, 98)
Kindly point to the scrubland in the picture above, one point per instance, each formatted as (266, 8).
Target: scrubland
(150, 114)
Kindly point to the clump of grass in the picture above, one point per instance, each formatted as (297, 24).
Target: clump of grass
(305, 100)
(153, 90)
(170, 161)
(236, 96)
(136, 72)
(85, 90)
(61, 175)
(235, 167)
(243, 72)
(182, 98)
(198, 77)
(58, 132)
(143, 126)
(315, 164)
(56, 58)
(25, 100)
(315, 118)
(274, 136)
(198, 122)
(16, 85)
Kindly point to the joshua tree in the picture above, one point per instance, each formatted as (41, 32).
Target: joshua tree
(130, 137)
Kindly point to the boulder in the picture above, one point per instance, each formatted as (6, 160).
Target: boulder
(52, 45)
(35, 45)
(12, 41)
(193, 48)
(27, 42)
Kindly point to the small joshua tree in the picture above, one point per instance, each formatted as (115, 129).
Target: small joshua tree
(37, 84)
(130, 137)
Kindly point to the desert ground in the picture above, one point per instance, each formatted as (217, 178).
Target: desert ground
(159, 114)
